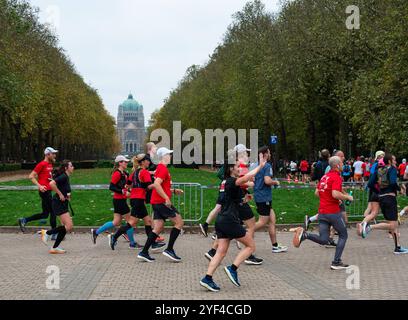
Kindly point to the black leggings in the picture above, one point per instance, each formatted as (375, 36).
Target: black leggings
(46, 202)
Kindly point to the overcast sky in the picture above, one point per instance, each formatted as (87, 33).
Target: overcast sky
(139, 46)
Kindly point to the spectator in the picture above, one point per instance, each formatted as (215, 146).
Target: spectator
(358, 169)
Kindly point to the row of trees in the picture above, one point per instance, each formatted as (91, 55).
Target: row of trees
(304, 76)
(43, 99)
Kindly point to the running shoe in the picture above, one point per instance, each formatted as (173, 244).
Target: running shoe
(280, 248)
(171, 255)
(112, 242)
(157, 246)
(214, 236)
(306, 222)
(232, 275)
(44, 236)
(22, 224)
(401, 250)
(160, 239)
(135, 245)
(239, 245)
(252, 260)
(57, 251)
(298, 237)
(339, 266)
(54, 237)
(94, 235)
(145, 257)
(210, 254)
(366, 230)
(402, 213)
(204, 229)
(209, 284)
(331, 244)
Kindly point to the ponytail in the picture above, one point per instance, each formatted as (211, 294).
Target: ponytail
(62, 168)
(136, 164)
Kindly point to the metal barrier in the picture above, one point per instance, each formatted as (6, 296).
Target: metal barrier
(189, 204)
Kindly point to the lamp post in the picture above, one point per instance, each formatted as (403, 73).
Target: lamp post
(350, 137)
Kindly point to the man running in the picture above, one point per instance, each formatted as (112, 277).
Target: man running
(263, 199)
(41, 176)
(387, 181)
(163, 209)
(330, 191)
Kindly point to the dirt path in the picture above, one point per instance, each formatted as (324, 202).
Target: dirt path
(13, 176)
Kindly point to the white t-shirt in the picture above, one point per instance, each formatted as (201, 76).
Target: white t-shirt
(358, 167)
(293, 166)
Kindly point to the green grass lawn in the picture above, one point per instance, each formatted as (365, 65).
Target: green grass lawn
(94, 207)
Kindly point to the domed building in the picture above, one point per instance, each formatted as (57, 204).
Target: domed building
(131, 126)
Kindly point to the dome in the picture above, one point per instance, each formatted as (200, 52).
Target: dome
(130, 104)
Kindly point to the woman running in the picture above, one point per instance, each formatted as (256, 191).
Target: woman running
(121, 193)
(60, 185)
(140, 181)
(228, 224)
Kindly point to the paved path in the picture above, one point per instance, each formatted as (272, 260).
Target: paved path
(96, 272)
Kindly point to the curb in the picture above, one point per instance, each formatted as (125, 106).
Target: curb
(187, 229)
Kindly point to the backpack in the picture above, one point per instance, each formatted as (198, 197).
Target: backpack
(383, 177)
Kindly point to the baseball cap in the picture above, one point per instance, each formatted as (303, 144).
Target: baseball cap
(379, 154)
(404, 160)
(163, 151)
(121, 158)
(49, 150)
(241, 148)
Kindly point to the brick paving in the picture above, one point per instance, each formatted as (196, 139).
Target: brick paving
(97, 272)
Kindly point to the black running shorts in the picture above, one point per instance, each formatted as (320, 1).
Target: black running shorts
(264, 208)
(59, 207)
(373, 196)
(245, 212)
(229, 229)
(163, 212)
(120, 206)
(389, 208)
(138, 208)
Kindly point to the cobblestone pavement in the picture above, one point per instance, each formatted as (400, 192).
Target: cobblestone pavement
(97, 272)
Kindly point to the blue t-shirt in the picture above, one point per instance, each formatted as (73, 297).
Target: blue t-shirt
(263, 192)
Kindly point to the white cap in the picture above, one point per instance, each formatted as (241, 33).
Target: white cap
(49, 150)
(121, 158)
(404, 160)
(163, 151)
(241, 148)
(379, 154)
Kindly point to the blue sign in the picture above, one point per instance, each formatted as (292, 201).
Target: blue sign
(274, 139)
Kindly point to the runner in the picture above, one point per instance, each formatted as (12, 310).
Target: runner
(228, 224)
(386, 177)
(373, 207)
(263, 199)
(140, 181)
(304, 169)
(330, 191)
(346, 174)
(120, 194)
(163, 209)
(41, 177)
(60, 185)
(366, 169)
(358, 169)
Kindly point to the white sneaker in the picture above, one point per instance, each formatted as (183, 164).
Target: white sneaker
(44, 236)
(57, 251)
(239, 244)
(279, 249)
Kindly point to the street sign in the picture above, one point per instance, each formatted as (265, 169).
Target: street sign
(274, 139)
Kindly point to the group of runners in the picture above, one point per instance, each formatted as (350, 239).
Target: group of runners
(234, 219)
